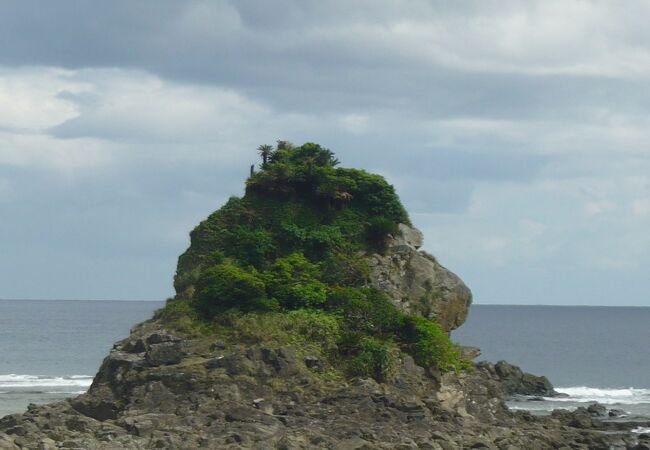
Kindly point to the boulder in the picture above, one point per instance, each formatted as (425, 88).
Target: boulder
(597, 410)
(417, 283)
(515, 381)
(165, 353)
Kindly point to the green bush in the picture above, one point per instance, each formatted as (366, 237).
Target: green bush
(345, 268)
(430, 346)
(366, 310)
(292, 282)
(248, 246)
(377, 231)
(182, 315)
(370, 357)
(227, 286)
(311, 332)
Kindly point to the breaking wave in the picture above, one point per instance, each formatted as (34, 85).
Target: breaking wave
(34, 382)
(628, 396)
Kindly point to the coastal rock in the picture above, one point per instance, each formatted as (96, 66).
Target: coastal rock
(515, 381)
(240, 396)
(597, 410)
(417, 283)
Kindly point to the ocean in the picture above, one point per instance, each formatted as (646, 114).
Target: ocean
(593, 354)
(50, 350)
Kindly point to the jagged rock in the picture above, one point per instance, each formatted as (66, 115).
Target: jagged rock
(514, 381)
(616, 412)
(165, 353)
(470, 353)
(417, 283)
(312, 362)
(597, 410)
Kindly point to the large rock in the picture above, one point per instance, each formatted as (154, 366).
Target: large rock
(417, 283)
(515, 381)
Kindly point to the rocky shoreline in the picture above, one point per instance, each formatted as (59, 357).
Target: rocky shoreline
(159, 389)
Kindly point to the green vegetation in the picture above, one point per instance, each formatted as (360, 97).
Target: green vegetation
(285, 265)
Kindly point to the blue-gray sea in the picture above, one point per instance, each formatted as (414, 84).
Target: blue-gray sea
(593, 354)
(50, 350)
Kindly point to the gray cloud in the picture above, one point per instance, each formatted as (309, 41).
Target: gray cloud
(306, 56)
(516, 132)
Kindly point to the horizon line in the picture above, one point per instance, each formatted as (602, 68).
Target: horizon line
(164, 300)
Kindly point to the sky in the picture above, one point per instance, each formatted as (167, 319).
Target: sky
(516, 133)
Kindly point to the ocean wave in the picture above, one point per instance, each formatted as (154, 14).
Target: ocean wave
(629, 396)
(66, 392)
(35, 381)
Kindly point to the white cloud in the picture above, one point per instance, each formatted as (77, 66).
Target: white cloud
(37, 151)
(354, 123)
(641, 207)
(555, 37)
(30, 98)
(138, 106)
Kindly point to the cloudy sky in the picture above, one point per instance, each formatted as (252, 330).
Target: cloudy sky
(516, 133)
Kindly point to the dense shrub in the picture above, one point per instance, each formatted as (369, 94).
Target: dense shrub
(227, 286)
(429, 344)
(248, 246)
(366, 310)
(377, 231)
(292, 282)
(370, 357)
(345, 268)
(312, 332)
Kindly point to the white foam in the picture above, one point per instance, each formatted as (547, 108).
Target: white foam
(66, 392)
(641, 430)
(34, 381)
(629, 396)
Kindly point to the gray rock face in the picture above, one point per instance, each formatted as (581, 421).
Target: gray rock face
(417, 283)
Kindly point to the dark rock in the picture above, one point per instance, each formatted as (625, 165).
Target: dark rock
(134, 346)
(516, 382)
(281, 361)
(160, 337)
(616, 413)
(100, 404)
(167, 352)
(312, 362)
(597, 410)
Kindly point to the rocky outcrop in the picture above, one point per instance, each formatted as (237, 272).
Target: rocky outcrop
(515, 381)
(160, 390)
(417, 283)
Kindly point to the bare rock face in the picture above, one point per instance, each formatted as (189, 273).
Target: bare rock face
(417, 283)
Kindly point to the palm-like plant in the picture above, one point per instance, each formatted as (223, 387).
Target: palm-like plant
(265, 151)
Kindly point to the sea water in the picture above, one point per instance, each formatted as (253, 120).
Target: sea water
(591, 354)
(50, 350)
